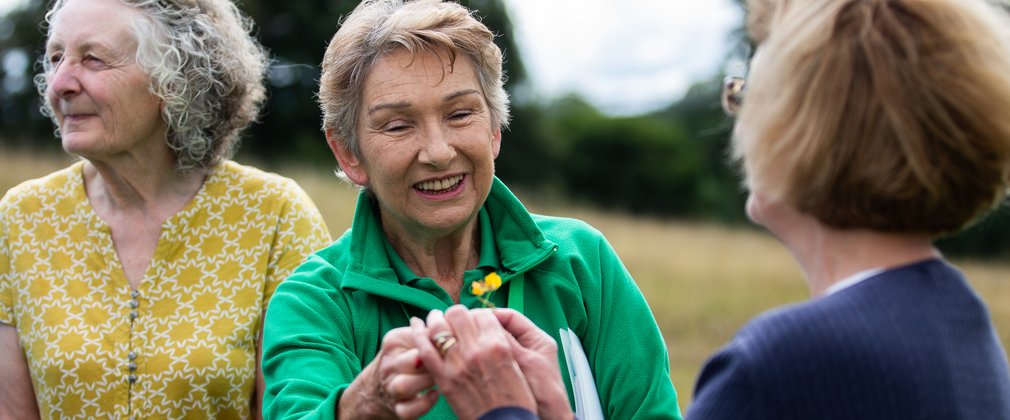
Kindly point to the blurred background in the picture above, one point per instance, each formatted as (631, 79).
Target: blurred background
(616, 120)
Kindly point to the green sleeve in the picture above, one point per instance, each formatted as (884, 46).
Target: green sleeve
(631, 363)
(308, 345)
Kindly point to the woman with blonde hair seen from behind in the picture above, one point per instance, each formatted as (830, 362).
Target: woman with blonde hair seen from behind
(867, 129)
(133, 283)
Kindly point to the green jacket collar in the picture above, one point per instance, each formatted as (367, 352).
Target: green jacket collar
(520, 243)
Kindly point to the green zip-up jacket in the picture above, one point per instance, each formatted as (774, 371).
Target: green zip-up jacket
(326, 321)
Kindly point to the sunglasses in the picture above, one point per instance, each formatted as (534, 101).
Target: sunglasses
(732, 94)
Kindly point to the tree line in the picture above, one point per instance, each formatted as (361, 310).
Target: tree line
(669, 163)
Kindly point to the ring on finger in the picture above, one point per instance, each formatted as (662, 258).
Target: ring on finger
(444, 341)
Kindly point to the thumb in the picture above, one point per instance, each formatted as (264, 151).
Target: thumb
(526, 333)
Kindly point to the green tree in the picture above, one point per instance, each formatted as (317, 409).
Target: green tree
(296, 34)
(21, 121)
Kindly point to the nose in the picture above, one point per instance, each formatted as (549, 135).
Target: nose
(437, 149)
(63, 81)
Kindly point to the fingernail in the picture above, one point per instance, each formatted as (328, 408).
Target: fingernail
(418, 364)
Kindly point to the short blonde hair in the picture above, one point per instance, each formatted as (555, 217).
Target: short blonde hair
(888, 115)
(376, 27)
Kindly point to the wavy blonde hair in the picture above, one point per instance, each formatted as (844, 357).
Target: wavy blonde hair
(881, 114)
(206, 67)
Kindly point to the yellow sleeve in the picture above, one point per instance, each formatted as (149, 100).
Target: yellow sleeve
(6, 273)
(300, 232)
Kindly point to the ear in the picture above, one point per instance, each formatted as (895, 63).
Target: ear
(350, 164)
(496, 143)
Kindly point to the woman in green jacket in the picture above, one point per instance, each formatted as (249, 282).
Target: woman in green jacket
(413, 102)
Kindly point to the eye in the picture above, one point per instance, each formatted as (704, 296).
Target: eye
(55, 58)
(461, 115)
(92, 60)
(396, 127)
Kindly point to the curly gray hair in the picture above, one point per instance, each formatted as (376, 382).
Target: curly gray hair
(376, 27)
(206, 67)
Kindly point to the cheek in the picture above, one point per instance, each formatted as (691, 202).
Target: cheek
(52, 100)
(386, 162)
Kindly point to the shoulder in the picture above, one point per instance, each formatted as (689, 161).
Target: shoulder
(314, 285)
(568, 233)
(580, 250)
(557, 224)
(771, 352)
(253, 180)
(257, 187)
(325, 266)
(811, 329)
(796, 343)
(725, 388)
(31, 195)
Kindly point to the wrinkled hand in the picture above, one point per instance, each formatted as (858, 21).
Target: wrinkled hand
(478, 371)
(536, 352)
(394, 385)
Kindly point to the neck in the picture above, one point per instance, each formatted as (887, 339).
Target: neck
(443, 257)
(152, 186)
(829, 255)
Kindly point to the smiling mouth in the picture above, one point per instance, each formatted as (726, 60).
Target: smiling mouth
(440, 185)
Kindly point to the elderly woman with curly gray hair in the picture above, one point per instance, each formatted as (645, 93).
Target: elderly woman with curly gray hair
(133, 283)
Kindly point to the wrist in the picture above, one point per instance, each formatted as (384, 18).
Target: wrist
(358, 401)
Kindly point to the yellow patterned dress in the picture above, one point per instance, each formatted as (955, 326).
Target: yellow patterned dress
(183, 344)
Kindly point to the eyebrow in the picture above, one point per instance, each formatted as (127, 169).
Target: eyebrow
(404, 104)
(87, 46)
(53, 44)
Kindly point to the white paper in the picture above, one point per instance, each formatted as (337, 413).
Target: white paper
(587, 399)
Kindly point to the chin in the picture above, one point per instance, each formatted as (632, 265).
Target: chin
(79, 145)
(72, 144)
(450, 219)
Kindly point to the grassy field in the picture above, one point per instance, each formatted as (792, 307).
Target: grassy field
(702, 281)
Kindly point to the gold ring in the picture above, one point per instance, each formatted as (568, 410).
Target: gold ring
(444, 341)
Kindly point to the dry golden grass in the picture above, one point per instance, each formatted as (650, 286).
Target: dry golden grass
(703, 282)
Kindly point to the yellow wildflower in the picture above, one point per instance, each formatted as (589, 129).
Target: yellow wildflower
(477, 288)
(491, 282)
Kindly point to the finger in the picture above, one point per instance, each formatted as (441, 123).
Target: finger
(408, 386)
(396, 340)
(524, 330)
(489, 327)
(441, 333)
(427, 352)
(416, 407)
(408, 361)
(436, 322)
(494, 340)
(462, 324)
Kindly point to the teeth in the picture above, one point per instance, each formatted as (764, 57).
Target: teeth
(440, 185)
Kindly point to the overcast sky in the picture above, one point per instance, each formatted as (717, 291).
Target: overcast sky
(624, 56)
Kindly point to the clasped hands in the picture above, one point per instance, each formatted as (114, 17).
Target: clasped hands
(478, 359)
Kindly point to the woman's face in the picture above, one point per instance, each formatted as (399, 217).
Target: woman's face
(426, 140)
(99, 96)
